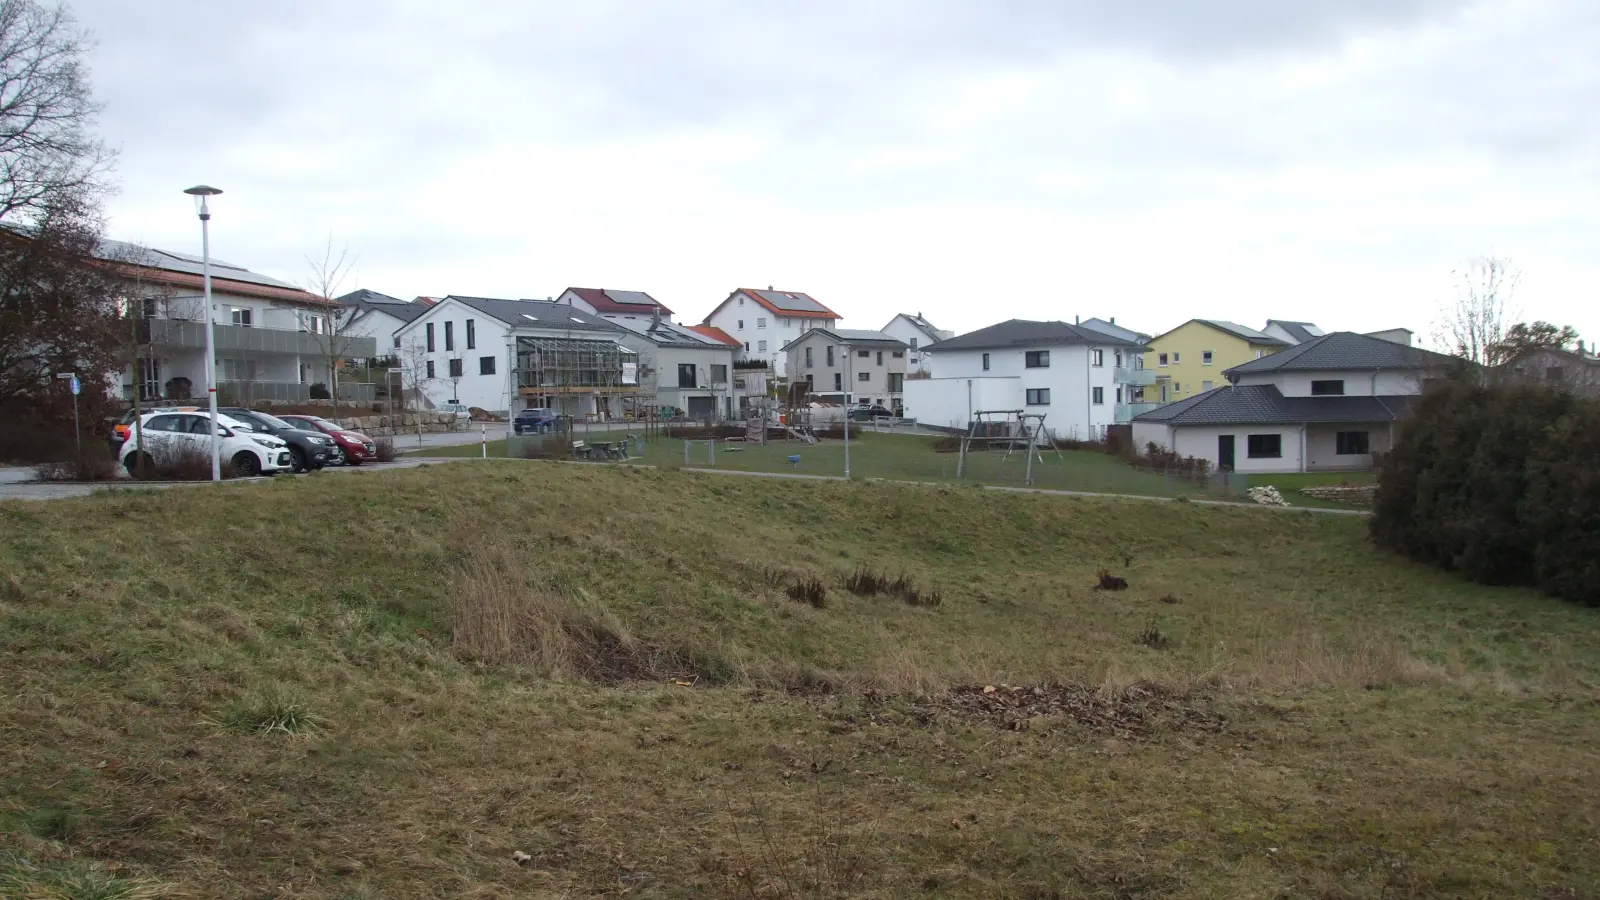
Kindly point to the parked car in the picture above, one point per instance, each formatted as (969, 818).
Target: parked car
(867, 413)
(121, 427)
(463, 413)
(538, 420)
(357, 447)
(158, 432)
(310, 449)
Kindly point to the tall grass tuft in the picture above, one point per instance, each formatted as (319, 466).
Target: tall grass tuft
(274, 710)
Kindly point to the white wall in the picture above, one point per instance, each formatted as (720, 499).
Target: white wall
(1200, 441)
(1147, 433)
(380, 326)
(741, 316)
(915, 338)
(1356, 383)
(491, 392)
(950, 402)
(1070, 378)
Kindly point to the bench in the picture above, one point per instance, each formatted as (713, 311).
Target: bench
(579, 451)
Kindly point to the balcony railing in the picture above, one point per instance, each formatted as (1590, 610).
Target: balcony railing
(248, 393)
(244, 339)
(1126, 411)
(1137, 377)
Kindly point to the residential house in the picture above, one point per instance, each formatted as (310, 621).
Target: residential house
(614, 305)
(916, 332)
(272, 340)
(505, 355)
(377, 316)
(1397, 335)
(1137, 393)
(764, 322)
(1291, 332)
(682, 368)
(1076, 376)
(866, 368)
(1191, 358)
(1327, 404)
(1576, 371)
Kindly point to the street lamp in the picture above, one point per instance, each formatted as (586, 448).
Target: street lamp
(200, 192)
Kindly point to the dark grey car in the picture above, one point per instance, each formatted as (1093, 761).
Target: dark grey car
(310, 449)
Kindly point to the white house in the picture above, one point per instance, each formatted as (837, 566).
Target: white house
(864, 368)
(1327, 404)
(377, 316)
(765, 321)
(681, 367)
(1291, 332)
(615, 305)
(916, 333)
(504, 355)
(272, 339)
(1075, 376)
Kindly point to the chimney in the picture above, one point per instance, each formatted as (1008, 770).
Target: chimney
(1075, 320)
(655, 317)
(1113, 320)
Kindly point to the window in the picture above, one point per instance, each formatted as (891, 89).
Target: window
(485, 365)
(1119, 359)
(1553, 373)
(449, 336)
(786, 322)
(472, 334)
(1099, 358)
(741, 324)
(830, 355)
(880, 357)
(1161, 359)
(164, 423)
(199, 424)
(1037, 359)
(747, 346)
(897, 382)
(1205, 385)
(1175, 359)
(1205, 357)
(864, 354)
(719, 374)
(808, 357)
(1332, 388)
(761, 346)
(686, 375)
(1352, 443)
(1038, 396)
(455, 367)
(1260, 353)
(397, 342)
(243, 318)
(913, 343)
(1119, 395)
(761, 322)
(863, 376)
(1264, 446)
(838, 381)
(430, 368)
(1099, 396)
(897, 354)
(986, 362)
(811, 385)
(430, 339)
(741, 303)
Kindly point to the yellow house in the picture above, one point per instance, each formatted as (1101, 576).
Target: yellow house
(1191, 358)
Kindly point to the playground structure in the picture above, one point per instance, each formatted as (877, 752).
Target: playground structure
(791, 416)
(1013, 427)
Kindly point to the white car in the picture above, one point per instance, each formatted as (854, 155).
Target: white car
(462, 411)
(250, 454)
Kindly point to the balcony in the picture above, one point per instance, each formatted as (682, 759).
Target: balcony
(249, 393)
(241, 339)
(1136, 377)
(1126, 411)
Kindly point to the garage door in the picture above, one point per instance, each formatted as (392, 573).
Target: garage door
(703, 408)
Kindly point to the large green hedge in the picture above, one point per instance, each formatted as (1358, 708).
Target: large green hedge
(1500, 482)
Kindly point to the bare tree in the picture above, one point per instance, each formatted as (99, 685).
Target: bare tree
(47, 148)
(1473, 324)
(414, 377)
(325, 277)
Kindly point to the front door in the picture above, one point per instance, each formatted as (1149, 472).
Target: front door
(1225, 452)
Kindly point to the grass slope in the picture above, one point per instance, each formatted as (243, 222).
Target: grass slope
(385, 686)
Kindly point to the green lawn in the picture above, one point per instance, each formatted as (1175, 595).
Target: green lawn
(661, 684)
(899, 457)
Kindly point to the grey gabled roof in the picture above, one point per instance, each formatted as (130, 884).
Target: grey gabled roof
(1249, 334)
(365, 300)
(854, 337)
(1115, 330)
(535, 314)
(1023, 333)
(667, 334)
(1262, 404)
(1344, 350)
(1297, 330)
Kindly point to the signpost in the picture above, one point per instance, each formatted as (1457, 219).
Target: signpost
(76, 386)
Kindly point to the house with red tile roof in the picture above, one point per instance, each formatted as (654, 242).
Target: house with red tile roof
(764, 321)
(613, 304)
(716, 334)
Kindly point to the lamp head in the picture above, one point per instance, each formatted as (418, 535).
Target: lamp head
(200, 192)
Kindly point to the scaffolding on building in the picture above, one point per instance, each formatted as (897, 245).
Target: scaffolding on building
(584, 378)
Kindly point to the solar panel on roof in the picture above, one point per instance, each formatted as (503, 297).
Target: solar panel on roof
(638, 298)
(796, 302)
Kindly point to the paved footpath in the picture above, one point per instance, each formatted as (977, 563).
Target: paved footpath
(14, 484)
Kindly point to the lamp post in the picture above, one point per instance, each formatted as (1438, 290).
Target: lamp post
(200, 192)
(849, 385)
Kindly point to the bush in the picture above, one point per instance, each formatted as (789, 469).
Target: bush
(1497, 483)
(1161, 459)
(95, 463)
(319, 391)
(384, 451)
(183, 462)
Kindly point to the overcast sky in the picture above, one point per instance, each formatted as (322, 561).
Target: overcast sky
(975, 160)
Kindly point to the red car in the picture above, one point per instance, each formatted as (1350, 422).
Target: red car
(357, 447)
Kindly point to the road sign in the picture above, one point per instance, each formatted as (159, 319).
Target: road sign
(76, 385)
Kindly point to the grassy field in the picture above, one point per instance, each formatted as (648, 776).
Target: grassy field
(903, 457)
(655, 684)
